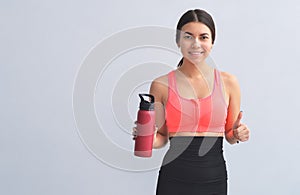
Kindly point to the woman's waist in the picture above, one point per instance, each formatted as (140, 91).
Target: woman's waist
(197, 151)
(195, 134)
(198, 130)
(196, 145)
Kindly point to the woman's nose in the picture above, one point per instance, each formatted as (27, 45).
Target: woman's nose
(196, 43)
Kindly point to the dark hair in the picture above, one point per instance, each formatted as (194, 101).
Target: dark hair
(196, 15)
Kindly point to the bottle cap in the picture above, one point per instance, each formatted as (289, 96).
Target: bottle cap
(146, 105)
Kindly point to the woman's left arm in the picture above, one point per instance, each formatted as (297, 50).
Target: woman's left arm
(235, 131)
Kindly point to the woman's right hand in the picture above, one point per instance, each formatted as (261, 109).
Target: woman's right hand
(134, 131)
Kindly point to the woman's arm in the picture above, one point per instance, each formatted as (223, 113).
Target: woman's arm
(232, 89)
(159, 89)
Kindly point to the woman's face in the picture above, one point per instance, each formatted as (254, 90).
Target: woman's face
(195, 42)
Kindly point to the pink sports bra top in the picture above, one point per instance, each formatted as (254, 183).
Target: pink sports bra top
(196, 115)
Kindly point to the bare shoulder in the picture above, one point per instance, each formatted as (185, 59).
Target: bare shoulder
(159, 88)
(160, 82)
(229, 80)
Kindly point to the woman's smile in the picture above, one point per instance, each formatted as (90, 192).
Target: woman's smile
(196, 53)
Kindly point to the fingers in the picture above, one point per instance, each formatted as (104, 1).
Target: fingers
(237, 123)
(242, 133)
(134, 133)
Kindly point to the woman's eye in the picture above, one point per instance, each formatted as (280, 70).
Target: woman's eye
(204, 37)
(187, 37)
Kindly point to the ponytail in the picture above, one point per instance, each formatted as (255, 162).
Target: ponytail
(180, 62)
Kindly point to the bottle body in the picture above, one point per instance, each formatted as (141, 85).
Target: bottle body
(145, 133)
(145, 128)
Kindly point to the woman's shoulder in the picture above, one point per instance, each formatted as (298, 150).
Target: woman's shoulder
(159, 88)
(162, 80)
(228, 78)
(230, 82)
(160, 83)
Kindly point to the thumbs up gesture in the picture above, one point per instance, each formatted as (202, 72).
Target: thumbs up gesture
(240, 130)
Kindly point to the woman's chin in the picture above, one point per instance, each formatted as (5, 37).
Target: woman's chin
(196, 61)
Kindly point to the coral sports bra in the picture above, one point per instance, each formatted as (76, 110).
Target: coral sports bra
(196, 115)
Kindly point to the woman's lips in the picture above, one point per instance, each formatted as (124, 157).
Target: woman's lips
(196, 53)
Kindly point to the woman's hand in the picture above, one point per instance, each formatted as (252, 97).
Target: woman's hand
(135, 131)
(240, 130)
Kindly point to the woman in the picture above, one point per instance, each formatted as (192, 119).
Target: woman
(196, 107)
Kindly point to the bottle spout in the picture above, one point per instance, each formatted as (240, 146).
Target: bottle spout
(148, 95)
(147, 105)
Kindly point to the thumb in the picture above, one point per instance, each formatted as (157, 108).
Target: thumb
(237, 123)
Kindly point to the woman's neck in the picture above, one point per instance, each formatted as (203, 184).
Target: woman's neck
(195, 70)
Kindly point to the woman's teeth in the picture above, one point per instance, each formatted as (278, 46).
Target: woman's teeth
(196, 52)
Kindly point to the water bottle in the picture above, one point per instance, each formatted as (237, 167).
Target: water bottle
(145, 127)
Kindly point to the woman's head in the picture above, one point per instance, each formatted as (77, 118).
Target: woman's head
(198, 22)
(196, 15)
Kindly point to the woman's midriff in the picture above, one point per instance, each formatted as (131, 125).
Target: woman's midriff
(210, 134)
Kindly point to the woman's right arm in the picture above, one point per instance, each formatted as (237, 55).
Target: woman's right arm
(159, 89)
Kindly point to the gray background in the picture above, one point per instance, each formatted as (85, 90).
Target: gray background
(43, 44)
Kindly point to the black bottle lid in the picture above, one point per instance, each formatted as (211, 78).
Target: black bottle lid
(146, 105)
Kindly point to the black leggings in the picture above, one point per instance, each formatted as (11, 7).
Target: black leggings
(193, 165)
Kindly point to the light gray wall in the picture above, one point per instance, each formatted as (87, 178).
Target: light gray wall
(44, 43)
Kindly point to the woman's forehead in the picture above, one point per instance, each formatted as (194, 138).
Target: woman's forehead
(195, 28)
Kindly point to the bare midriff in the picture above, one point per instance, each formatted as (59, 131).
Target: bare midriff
(209, 134)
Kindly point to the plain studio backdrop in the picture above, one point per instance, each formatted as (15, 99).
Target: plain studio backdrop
(44, 44)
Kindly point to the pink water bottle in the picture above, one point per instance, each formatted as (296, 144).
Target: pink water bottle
(145, 127)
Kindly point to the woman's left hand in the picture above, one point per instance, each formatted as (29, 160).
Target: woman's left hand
(240, 130)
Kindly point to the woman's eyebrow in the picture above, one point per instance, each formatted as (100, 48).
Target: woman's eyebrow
(189, 33)
(200, 34)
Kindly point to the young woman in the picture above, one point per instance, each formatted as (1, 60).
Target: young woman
(196, 107)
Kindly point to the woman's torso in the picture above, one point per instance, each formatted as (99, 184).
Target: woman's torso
(188, 116)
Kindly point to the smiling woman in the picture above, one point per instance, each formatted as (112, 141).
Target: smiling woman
(196, 107)
(195, 42)
(192, 16)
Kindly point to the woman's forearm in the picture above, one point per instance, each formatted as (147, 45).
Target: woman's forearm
(160, 140)
(231, 138)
